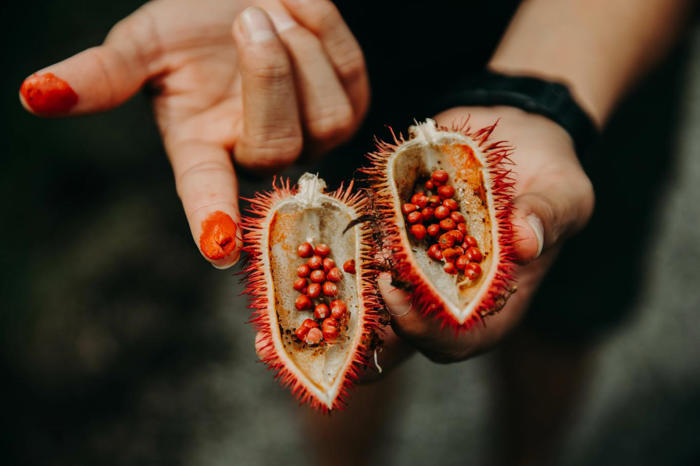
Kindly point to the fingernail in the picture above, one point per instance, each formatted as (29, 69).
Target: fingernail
(218, 238)
(47, 94)
(281, 20)
(256, 26)
(536, 225)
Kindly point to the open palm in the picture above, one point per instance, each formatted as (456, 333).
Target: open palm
(287, 77)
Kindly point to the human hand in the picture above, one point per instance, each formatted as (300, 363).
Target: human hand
(283, 80)
(553, 199)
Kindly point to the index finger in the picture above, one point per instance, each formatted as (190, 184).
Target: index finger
(208, 189)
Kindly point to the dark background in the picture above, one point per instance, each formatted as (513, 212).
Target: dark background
(120, 345)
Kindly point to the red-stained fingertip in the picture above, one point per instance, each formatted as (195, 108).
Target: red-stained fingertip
(47, 94)
(218, 238)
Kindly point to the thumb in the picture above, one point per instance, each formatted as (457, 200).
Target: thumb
(98, 78)
(541, 219)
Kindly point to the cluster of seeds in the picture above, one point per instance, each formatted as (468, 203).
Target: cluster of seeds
(317, 285)
(446, 230)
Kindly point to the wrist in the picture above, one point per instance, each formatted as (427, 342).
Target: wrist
(532, 95)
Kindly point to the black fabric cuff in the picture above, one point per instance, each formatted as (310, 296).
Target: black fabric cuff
(550, 99)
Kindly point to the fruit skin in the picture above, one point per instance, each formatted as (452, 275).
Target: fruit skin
(254, 225)
(396, 240)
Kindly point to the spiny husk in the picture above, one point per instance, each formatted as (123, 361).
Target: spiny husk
(264, 316)
(396, 245)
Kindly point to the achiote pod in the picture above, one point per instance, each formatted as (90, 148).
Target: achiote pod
(444, 200)
(313, 287)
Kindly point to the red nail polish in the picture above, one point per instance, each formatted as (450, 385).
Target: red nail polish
(218, 238)
(47, 94)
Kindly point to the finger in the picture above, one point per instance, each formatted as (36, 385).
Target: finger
(439, 344)
(98, 78)
(327, 115)
(542, 217)
(405, 319)
(271, 136)
(207, 187)
(323, 19)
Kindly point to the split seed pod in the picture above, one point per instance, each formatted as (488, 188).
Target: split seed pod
(318, 366)
(456, 172)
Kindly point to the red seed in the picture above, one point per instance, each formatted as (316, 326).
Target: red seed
(439, 177)
(330, 328)
(338, 309)
(427, 214)
(434, 252)
(461, 262)
(305, 291)
(446, 191)
(334, 274)
(418, 231)
(314, 337)
(304, 328)
(315, 262)
(429, 185)
(462, 227)
(303, 270)
(434, 200)
(458, 236)
(447, 224)
(422, 200)
(446, 241)
(314, 290)
(321, 311)
(450, 268)
(301, 332)
(474, 254)
(441, 212)
(299, 284)
(407, 208)
(303, 302)
(328, 264)
(330, 289)
(322, 249)
(318, 276)
(414, 217)
(457, 217)
(471, 241)
(434, 229)
(472, 271)
(450, 204)
(451, 254)
(349, 266)
(305, 250)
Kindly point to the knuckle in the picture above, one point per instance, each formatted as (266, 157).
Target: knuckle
(271, 71)
(200, 168)
(335, 123)
(350, 63)
(327, 15)
(263, 151)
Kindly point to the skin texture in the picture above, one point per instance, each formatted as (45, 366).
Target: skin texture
(230, 84)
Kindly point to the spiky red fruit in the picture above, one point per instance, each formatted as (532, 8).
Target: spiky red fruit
(317, 370)
(472, 182)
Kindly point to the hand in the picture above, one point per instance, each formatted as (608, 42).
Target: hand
(284, 79)
(553, 199)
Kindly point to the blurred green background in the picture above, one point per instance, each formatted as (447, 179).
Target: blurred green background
(120, 345)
